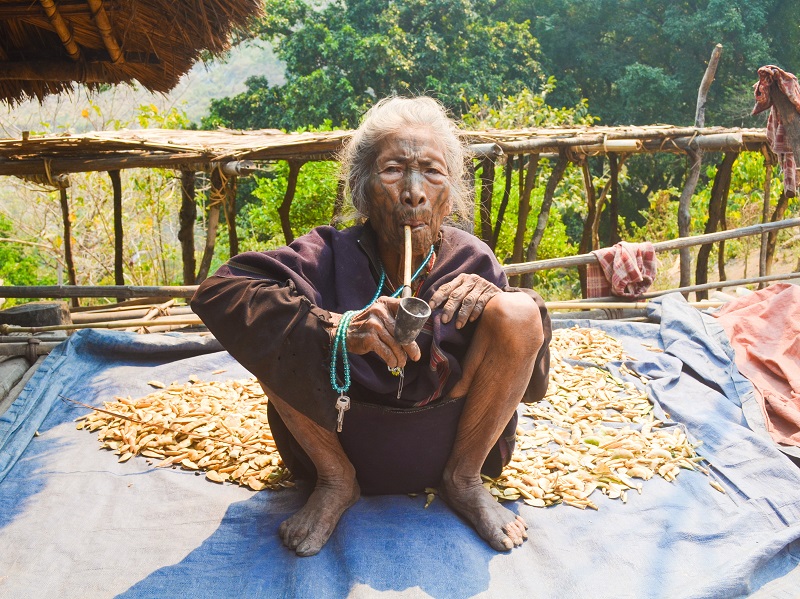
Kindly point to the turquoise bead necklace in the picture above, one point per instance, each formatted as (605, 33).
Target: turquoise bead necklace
(340, 342)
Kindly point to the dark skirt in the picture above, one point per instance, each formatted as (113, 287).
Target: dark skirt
(395, 450)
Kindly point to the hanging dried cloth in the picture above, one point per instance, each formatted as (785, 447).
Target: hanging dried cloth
(625, 270)
(776, 133)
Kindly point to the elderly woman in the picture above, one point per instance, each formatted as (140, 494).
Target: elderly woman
(314, 321)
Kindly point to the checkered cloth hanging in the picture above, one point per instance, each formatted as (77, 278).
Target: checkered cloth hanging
(625, 269)
(776, 133)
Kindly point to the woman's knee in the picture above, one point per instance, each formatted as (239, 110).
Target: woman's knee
(514, 318)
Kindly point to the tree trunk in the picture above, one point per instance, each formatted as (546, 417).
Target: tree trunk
(522, 214)
(696, 161)
(719, 194)
(71, 277)
(286, 205)
(186, 218)
(487, 190)
(541, 222)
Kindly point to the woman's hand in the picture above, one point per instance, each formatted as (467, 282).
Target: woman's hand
(464, 297)
(373, 331)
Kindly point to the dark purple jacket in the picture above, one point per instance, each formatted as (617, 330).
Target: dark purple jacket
(271, 311)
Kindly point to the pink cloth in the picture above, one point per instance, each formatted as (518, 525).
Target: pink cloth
(764, 330)
(625, 269)
(776, 133)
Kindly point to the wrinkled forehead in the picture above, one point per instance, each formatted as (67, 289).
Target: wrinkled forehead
(419, 144)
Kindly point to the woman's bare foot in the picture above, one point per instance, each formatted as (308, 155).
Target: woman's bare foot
(500, 527)
(309, 529)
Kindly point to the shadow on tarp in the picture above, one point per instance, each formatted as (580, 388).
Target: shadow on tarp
(244, 557)
(90, 367)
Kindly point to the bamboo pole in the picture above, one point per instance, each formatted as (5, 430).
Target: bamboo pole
(100, 18)
(619, 305)
(705, 286)
(62, 29)
(662, 246)
(119, 324)
(74, 291)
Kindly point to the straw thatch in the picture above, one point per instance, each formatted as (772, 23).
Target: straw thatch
(46, 46)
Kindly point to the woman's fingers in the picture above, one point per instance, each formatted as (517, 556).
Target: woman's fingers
(373, 331)
(465, 298)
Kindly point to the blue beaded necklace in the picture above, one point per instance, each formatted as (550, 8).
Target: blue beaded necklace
(340, 341)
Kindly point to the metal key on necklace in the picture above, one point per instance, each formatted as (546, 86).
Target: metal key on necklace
(397, 371)
(342, 405)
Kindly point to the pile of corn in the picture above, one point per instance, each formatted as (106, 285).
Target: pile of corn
(591, 431)
(219, 427)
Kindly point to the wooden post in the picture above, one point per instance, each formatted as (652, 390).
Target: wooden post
(286, 205)
(230, 214)
(116, 186)
(695, 161)
(613, 204)
(338, 203)
(772, 239)
(509, 174)
(487, 191)
(71, 277)
(541, 222)
(762, 256)
(719, 194)
(524, 210)
(187, 217)
(588, 242)
(216, 198)
(723, 222)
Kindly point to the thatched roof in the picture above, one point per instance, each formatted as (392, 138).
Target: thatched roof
(109, 150)
(48, 45)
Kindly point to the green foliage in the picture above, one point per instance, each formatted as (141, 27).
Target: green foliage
(19, 263)
(312, 205)
(641, 61)
(341, 58)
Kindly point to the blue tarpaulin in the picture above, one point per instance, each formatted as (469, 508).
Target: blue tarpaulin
(75, 523)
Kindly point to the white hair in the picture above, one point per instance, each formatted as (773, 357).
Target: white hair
(393, 115)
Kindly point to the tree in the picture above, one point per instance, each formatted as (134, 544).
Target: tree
(641, 61)
(341, 58)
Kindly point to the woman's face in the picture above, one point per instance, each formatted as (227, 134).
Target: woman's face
(410, 185)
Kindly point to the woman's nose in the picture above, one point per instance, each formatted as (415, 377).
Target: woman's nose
(414, 192)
